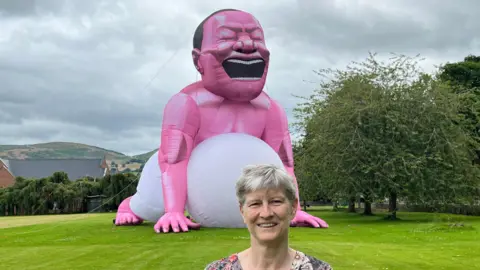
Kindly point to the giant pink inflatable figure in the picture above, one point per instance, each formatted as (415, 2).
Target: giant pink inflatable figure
(232, 58)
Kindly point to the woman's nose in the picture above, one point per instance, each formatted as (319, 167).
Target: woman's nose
(266, 211)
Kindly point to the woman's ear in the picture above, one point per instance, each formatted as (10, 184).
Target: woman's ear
(294, 208)
(240, 206)
(196, 62)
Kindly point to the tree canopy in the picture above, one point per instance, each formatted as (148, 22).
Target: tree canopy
(382, 130)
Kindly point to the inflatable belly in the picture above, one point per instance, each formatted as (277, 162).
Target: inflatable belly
(214, 167)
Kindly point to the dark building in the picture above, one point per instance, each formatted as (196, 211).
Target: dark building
(40, 168)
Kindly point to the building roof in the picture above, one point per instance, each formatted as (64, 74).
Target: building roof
(40, 168)
(5, 164)
(4, 161)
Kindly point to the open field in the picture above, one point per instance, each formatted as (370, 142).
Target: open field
(419, 241)
(8, 222)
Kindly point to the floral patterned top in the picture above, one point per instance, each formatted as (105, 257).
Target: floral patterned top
(300, 262)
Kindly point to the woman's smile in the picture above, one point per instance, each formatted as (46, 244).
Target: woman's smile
(267, 225)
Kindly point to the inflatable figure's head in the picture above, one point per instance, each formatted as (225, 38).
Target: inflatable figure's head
(231, 55)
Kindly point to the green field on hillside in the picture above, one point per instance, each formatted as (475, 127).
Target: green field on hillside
(70, 150)
(419, 241)
(55, 150)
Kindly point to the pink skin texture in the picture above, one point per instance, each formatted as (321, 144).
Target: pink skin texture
(218, 104)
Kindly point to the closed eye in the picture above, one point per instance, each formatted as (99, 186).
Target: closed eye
(227, 34)
(257, 35)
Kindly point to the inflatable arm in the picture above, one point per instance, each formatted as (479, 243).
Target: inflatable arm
(180, 125)
(277, 135)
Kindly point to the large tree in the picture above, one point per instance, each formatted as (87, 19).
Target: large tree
(309, 186)
(385, 130)
(464, 79)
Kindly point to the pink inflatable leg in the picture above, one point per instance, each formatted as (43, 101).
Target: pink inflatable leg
(125, 216)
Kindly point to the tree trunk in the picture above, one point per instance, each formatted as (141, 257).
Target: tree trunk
(351, 205)
(335, 206)
(305, 206)
(392, 206)
(368, 209)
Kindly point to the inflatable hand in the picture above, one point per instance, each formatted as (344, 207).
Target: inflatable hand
(303, 219)
(177, 221)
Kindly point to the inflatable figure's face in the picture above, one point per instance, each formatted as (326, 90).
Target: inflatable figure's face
(233, 59)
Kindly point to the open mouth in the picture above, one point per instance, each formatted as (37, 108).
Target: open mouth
(267, 225)
(239, 69)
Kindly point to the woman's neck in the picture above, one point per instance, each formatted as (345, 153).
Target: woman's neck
(266, 257)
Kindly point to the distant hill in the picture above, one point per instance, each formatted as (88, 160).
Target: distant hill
(145, 156)
(68, 150)
(60, 150)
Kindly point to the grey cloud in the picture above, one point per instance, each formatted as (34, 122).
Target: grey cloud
(17, 8)
(90, 80)
(410, 27)
(27, 8)
(77, 70)
(89, 95)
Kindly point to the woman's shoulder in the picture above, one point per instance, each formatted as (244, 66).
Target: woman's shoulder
(304, 261)
(230, 262)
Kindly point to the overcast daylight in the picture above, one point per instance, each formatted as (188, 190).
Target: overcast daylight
(100, 72)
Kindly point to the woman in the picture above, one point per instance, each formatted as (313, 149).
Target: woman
(267, 199)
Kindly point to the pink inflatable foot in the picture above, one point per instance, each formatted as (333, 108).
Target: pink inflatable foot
(125, 216)
(303, 219)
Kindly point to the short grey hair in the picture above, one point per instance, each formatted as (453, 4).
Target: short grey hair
(264, 176)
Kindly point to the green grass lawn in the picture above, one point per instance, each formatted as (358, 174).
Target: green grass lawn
(419, 241)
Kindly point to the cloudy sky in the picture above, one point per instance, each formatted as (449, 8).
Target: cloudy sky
(100, 72)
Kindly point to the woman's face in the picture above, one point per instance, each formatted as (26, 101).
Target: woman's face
(267, 214)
